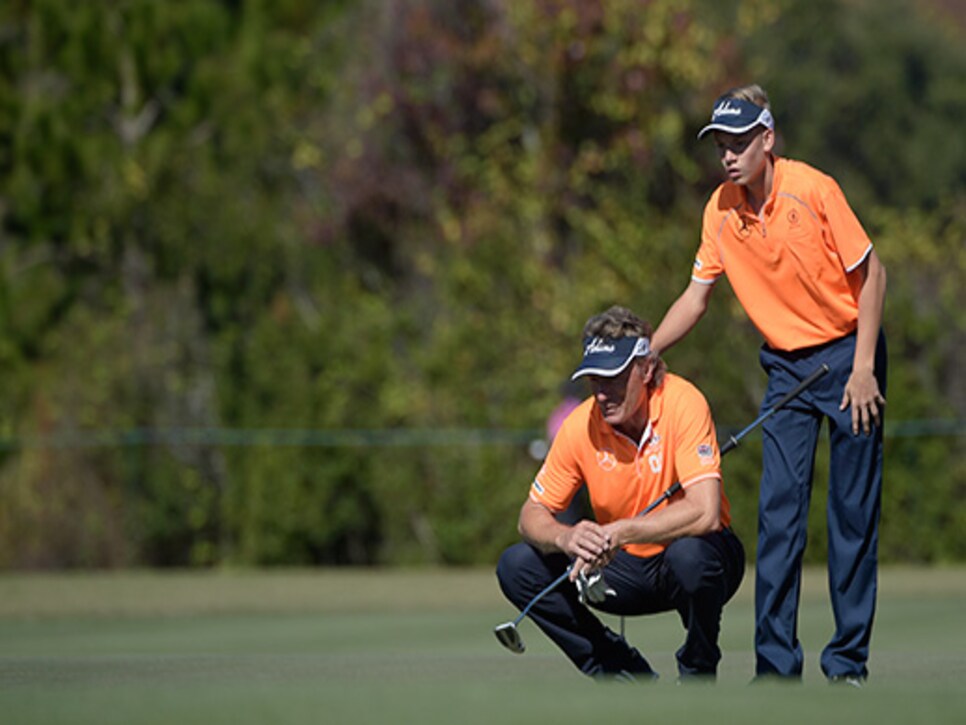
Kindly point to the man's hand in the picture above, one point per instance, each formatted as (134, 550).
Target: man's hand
(862, 393)
(589, 544)
(592, 587)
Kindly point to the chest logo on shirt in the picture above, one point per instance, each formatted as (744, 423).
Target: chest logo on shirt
(793, 217)
(606, 459)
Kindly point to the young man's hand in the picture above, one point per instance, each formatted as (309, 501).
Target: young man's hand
(862, 393)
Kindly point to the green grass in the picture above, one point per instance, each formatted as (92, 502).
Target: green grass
(335, 646)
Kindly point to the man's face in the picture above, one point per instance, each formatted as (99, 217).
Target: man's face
(619, 398)
(744, 155)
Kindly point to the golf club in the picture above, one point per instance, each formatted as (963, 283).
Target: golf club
(733, 441)
(507, 633)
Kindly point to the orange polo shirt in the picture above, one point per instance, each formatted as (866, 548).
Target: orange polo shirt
(790, 267)
(624, 476)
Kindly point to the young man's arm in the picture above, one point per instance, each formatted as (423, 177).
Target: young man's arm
(682, 316)
(862, 389)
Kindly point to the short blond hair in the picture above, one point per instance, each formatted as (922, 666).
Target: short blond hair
(752, 93)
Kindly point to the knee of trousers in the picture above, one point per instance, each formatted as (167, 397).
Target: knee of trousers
(519, 566)
(692, 563)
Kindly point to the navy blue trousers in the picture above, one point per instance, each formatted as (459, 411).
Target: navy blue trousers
(695, 576)
(854, 495)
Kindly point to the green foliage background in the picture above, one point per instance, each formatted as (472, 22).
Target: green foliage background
(396, 216)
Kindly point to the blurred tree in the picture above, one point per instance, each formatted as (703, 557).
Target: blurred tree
(146, 166)
(512, 169)
(873, 101)
(398, 215)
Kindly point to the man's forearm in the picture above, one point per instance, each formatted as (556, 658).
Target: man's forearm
(698, 513)
(540, 528)
(871, 302)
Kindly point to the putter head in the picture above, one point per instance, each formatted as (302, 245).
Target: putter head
(509, 637)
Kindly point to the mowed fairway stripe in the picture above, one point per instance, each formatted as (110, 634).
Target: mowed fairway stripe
(419, 647)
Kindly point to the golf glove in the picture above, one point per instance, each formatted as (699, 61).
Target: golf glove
(592, 588)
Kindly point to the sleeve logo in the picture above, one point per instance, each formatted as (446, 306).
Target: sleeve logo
(706, 454)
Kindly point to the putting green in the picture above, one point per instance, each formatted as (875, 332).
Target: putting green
(336, 646)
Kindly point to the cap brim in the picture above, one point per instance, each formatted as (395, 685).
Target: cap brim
(729, 129)
(601, 372)
(612, 359)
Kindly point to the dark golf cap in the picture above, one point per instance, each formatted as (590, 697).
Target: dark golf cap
(734, 115)
(608, 356)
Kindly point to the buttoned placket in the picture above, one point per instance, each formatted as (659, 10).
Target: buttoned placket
(748, 220)
(766, 209)
(744, 212)
(768, 206)
(642, 444)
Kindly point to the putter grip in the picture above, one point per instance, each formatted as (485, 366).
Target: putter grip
(806, 383)
(789, 396)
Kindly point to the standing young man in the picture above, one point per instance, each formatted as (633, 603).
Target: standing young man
(806, 274)
(641, 431)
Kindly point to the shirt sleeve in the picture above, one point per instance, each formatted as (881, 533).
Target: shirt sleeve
(708, 265)
(846, 232)
(560, 476)
(696, 454)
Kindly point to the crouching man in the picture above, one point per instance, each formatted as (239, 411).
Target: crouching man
(641, 431)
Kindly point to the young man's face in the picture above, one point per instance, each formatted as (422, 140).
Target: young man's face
(744, 155)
